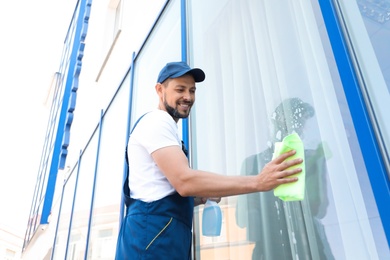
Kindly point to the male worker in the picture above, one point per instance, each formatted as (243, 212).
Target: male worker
(163, 188)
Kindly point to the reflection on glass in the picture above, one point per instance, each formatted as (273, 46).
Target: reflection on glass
(267, 219)
(378, 10)
(376, 18)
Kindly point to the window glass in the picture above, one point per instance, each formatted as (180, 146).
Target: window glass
(270, 72)
(109, 179)
(82, 203)
(64, 218)
(137, 23)
(162, 46)
(368, 27)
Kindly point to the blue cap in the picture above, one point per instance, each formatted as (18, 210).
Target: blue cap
(178, 69)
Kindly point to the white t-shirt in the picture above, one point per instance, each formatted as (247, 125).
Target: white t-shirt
(155, 130)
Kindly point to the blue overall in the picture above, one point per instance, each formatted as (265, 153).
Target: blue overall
(157, 230)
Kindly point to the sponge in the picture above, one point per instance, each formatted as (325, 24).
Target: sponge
(296, 190)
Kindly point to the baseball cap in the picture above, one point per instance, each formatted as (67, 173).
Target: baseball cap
(178, 69)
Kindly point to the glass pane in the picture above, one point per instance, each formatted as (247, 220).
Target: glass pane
(270, 71)
(137, 22)
(109, 178)
(82, 205)
(64, 219)
(162, 46)
(368, 28)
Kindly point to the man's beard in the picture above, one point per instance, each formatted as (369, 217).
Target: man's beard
(174, 112)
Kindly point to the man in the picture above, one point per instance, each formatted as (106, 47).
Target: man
(163, 188)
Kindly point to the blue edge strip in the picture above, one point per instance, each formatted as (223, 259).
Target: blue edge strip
(185, 127)
(60, 151)
(371, 154)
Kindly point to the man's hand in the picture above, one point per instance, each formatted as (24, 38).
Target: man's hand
(202, 200)
(278, 171)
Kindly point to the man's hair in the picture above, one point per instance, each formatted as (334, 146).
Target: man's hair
(166, 82)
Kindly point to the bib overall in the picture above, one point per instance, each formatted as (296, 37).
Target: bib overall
(157, 230)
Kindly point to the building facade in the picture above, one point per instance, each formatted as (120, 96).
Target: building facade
(320, 68)
(10, 243)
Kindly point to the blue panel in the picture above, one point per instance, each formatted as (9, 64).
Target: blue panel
(84, 31)
(75, 85)
(63, 154)
(80, 53)
(77, 69)
(72, 101)
(69, 119)
(66, 138)
(87, 13)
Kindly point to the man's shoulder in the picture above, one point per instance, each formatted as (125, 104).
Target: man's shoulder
(157, 115)
(155, 121)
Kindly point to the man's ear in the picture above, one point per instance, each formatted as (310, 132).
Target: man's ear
(159, 88)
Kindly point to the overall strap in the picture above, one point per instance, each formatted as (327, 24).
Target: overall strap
(126, 189)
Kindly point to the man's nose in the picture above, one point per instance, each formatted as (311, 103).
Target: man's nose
(187, 96)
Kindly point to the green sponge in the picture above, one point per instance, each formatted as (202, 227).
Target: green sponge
(296, 190)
